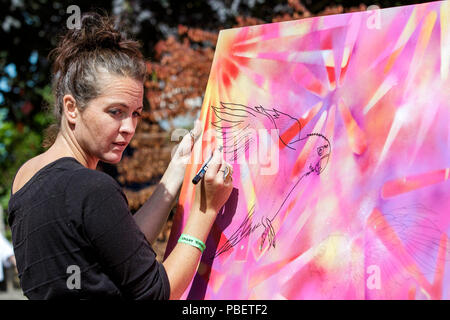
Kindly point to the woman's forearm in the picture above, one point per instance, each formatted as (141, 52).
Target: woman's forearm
(152, 216)
(198, 225)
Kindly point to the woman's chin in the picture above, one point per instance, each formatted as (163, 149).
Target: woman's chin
(112, 157)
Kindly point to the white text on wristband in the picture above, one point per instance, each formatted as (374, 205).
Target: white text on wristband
(187, 239)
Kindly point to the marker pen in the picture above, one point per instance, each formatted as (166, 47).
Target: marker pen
(201, 173)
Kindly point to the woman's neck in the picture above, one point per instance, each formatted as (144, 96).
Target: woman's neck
(66, 146)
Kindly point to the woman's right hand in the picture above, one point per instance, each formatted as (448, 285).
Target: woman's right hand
(213, 190)
(210, 195)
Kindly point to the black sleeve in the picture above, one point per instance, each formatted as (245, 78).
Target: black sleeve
(122, 248)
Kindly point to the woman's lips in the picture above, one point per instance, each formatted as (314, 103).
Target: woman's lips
(120, 145)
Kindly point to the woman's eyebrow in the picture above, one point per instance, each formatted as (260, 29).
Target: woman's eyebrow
(125, 105)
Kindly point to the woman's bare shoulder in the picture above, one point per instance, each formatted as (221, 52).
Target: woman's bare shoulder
(28, 170)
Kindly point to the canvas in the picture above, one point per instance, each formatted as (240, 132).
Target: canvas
(337, 128)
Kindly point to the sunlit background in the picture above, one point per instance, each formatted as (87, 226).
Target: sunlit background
(179, 43)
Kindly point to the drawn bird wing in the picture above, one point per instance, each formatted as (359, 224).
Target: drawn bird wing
(235, 124)
(289, 128)
(414, 239)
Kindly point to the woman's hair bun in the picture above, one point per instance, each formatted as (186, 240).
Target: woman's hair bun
(96, 32)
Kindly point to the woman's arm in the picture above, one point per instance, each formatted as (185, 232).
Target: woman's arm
(210, 195)
(152, 216)
(182, 263)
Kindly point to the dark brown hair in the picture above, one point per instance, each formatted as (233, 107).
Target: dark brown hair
(81, 55)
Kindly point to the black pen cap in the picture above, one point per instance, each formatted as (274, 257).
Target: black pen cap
(198, 177)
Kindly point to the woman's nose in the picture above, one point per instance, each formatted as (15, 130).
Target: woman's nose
(128, 126)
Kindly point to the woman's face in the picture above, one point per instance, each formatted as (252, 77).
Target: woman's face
(108, 122)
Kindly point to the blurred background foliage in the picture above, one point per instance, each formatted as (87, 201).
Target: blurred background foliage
(178, 39)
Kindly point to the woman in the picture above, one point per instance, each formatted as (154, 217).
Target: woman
(73, 234)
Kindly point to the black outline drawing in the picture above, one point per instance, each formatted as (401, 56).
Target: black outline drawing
(415, 226)
(234, 121)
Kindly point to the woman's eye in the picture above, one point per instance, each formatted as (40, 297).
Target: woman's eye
(121, 113)
(115, 112)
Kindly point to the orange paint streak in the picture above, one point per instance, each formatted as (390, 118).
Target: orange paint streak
(302, 158)
(392, 59)
(305, 78)
(327, 41)
(304, 120)
(241, 61)
(406, 184)
(356, 137)
(209, 118)
(344, 71)
(230, 68)
(316, 87)
(331, 77)
(289, 134)
(412, 293)
(226, 80)
(404, 38)
(244, 47)
(425, 33)
(293, 130)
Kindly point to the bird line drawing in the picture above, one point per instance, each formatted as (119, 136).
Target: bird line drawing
(235, 124)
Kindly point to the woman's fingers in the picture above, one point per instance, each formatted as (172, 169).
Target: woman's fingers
(225, 172)
(187, 143)
(214, 165)
(197, 130)
(218, 169)
(216, 185)
(195, 133)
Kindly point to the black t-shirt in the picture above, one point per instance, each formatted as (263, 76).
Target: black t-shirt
(75, 238)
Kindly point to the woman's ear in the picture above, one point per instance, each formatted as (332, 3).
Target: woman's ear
(70, 108)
